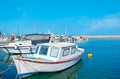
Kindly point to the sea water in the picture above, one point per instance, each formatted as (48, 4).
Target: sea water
(104, 64)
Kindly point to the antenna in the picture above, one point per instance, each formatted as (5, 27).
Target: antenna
(49, 32)
(0, 31)
(34, 25)
(65, 31)
(18, 29)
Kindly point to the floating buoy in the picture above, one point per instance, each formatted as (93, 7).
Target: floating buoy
(90, 55)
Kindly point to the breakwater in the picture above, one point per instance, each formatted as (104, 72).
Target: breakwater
(102, 36)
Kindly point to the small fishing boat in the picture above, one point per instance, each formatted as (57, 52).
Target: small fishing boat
(49, 57)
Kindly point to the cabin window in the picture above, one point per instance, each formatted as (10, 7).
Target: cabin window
(43, 50)
(54, 52)
(65, 51)
(73, 50)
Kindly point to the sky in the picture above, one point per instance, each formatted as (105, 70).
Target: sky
(70, 17)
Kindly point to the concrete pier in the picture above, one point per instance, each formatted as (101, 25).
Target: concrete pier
(85, 38)
(112, 36)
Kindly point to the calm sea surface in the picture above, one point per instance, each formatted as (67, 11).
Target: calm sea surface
(105, 63)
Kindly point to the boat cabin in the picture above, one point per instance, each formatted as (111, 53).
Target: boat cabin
(55, 51)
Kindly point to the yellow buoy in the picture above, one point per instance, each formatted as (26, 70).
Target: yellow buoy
(90, 55)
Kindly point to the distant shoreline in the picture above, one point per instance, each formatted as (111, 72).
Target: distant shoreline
(101, 36)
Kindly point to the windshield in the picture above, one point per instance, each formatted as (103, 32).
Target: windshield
(43, 50)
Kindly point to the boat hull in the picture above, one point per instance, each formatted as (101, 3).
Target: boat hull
(29, 67)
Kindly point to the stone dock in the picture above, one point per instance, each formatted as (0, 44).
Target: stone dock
(112, 36)
(85, 38)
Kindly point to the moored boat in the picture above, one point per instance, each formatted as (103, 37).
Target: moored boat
(18, 47)
(25, 44)
(49, 57)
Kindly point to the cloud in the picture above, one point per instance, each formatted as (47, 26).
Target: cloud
(109, 24)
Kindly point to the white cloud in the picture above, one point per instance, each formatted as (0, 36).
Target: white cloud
(104, 25)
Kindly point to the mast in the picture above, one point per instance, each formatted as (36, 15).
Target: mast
(18, 29)
(34, 25)
(65, 31)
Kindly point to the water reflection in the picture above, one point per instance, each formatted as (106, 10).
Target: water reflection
(7, 68)
(69, 73)
(6, 59)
